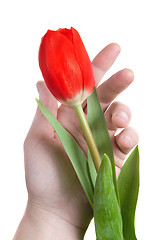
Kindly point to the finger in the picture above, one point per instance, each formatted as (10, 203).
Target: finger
(127, 139)
(123, 144)
(111, 88)
(104, 60)
(118, 116)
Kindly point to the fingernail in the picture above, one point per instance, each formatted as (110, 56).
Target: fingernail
(124, 116)
(121, 115)
(128, 141)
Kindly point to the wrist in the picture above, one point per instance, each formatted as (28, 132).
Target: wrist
(38, 223)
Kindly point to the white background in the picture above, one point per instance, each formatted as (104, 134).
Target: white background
(136, 26)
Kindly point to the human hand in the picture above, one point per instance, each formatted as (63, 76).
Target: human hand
(54, 192)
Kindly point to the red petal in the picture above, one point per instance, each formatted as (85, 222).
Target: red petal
(84, 62)
(67, 33)
(59, 66)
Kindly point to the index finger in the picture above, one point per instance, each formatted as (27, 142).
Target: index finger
(104, 60)
(111, 88)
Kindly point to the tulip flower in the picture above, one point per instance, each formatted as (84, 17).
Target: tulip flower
(65, 66)
(68, 73)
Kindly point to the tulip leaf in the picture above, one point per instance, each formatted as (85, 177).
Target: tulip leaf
(100, 133)
(107, 214)
(73, 151)
(128, 185)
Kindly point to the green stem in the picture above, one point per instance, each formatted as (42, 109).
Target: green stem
(88, 136)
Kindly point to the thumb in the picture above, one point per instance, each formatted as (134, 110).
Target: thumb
(40, 126)
(47, 98)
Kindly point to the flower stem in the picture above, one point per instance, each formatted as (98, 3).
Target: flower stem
(88, 136)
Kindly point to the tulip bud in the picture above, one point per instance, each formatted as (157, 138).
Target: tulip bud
(65, 66)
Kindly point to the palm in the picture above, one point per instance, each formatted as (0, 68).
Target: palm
(51, 181)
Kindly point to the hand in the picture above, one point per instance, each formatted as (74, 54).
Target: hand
(54, 191)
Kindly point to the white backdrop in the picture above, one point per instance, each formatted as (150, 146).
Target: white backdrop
(135, 25)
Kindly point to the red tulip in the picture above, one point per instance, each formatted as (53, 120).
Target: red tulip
(65, 66)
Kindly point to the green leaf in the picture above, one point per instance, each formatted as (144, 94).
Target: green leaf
(73, 151)
(107, 214)
(128, 184)
(100, 133)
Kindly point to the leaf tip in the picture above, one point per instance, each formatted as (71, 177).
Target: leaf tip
(36, 100)
(105, 156)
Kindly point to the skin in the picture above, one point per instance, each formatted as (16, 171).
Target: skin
(57, 205)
